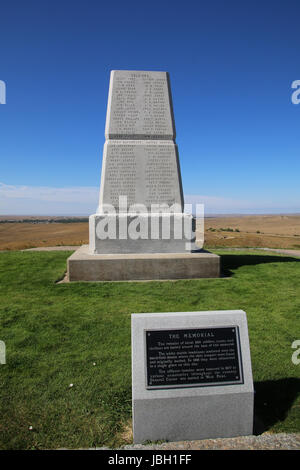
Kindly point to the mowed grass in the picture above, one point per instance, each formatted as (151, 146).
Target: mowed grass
(62, 334)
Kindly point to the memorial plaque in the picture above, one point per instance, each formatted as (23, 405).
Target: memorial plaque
(191, 376)
(193, 357)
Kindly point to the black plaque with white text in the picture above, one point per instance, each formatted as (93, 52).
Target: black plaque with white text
(193, 357)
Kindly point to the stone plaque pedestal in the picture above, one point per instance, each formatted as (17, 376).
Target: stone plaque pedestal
(191, 376)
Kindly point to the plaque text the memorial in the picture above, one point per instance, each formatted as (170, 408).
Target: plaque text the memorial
(193, 357)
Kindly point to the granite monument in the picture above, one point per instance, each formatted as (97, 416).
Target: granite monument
(140, 229)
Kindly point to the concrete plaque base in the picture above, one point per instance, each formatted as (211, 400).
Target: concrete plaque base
(220, 404)
(85, 266)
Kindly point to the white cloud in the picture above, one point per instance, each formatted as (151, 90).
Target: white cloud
(45, 200)
(80, 200)
(223, 205)
(44, 193)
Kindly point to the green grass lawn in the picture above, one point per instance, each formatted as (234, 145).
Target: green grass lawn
(62, 334)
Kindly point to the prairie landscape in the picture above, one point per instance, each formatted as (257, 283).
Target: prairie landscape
(31, 232)
(272, 231)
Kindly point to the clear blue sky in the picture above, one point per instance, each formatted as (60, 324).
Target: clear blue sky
(231, 65)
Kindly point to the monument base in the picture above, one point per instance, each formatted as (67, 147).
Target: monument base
(85, 266)
(156, 233)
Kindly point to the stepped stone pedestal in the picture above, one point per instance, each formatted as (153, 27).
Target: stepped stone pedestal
(83, 265)
(140, 230)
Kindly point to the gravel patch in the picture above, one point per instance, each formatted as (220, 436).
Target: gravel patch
(72, 247)
(265, 441)
(53, 248)
(282, 251)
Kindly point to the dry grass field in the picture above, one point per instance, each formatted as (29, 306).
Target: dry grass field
(22, 235)
(273, 231)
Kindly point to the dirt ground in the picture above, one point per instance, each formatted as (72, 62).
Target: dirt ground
(273, 231)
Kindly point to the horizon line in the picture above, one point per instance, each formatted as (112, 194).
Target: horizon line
(209, 215)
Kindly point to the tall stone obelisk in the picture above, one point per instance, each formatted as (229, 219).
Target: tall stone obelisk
(140, 167)
(140, 230)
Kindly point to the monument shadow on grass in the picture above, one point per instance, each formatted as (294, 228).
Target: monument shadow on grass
(230, 262)
(272, 401)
